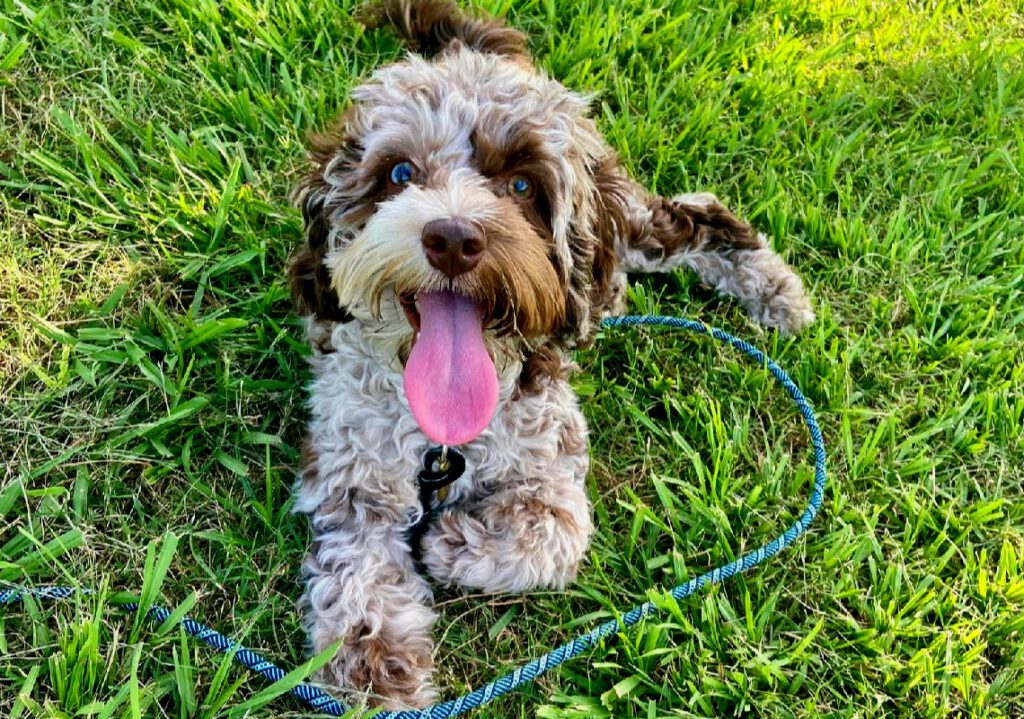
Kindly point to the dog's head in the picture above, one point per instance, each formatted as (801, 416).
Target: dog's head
(461, 169)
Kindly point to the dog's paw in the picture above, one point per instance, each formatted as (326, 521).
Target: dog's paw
(392, 671)
(771, 292)
(787, 308)
(460, 550)
(513, 545)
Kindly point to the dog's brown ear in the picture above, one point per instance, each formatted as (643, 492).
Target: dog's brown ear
(614, 219)
(307, 275)
(429, 26)
(591, 286)
(600, 284)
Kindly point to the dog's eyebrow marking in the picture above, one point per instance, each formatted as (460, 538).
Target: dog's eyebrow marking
(387, 153)
(493, 157)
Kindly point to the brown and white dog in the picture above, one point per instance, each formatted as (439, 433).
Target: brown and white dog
(466, 227)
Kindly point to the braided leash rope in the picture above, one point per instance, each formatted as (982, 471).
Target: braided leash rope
(322, 702)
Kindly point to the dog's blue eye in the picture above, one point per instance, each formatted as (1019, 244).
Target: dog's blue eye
(402, 173)
(520, 187)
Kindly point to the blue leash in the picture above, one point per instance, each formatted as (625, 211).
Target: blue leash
(322, 702)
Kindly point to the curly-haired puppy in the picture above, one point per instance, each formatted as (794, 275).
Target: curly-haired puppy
(466, 227)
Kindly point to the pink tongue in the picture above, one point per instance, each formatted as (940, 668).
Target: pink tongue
(450, 380)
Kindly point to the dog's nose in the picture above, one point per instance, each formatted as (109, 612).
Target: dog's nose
(453, 245)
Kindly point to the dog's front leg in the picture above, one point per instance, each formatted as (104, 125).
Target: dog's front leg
(532, 525)
(654, 234)
(362, 588)
(530, 535)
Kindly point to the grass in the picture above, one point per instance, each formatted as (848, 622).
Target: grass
(151, 371)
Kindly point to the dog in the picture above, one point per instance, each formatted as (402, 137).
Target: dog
(466, 227)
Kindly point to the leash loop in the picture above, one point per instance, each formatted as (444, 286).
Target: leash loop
(324, 703)
(441, 466)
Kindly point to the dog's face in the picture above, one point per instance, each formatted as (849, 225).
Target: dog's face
(471, 174)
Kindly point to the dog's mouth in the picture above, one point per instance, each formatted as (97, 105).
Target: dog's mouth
(412, 313)
(450, 379)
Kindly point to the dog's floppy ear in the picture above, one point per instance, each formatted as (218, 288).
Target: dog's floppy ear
(615, 218)
(594, 283)
(308, 276)
(310, 281)
(429, 26)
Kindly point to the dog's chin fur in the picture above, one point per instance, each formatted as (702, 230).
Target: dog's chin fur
(470, 113)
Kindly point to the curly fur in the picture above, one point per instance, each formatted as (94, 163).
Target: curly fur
(469, 113)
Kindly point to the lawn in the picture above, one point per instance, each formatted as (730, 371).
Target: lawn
(151, 371)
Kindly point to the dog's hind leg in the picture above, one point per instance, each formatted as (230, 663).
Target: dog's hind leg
(654, 234)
